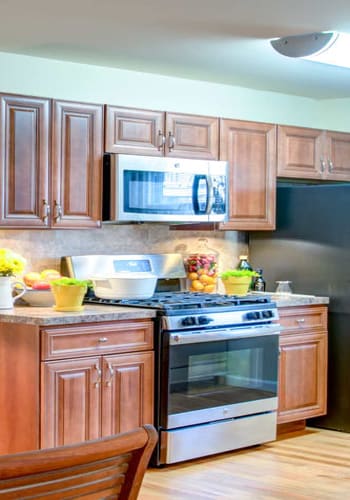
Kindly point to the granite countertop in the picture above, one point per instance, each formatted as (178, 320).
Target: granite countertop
(96, 313)
(294, 299)
(90, 314)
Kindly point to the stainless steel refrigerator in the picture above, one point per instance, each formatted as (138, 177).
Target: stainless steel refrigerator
(311, 248)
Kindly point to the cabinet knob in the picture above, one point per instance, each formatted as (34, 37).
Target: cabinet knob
(111, 375)
(45, 212)
(99, 375)
(58, 211)
(103, 339)
(161, 140)
(171, 141)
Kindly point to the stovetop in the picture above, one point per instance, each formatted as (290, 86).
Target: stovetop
(178, 302)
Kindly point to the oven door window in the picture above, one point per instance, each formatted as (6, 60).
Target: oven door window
(218, 373)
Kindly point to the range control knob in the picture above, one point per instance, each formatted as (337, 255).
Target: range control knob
(253, 315)
(204, 320)
(267, 314)
(188, 321)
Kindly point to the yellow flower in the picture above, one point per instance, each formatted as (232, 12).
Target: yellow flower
(11, 263)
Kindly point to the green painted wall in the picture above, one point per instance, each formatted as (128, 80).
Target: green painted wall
(50, 78)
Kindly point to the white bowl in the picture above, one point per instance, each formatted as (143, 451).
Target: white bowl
(39, 298)
(126, 285)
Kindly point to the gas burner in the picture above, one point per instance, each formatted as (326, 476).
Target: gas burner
(175, 302)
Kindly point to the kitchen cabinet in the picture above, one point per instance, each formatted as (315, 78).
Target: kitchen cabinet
(158, 133)
(250, 149)
(24, 161)
(101, 384)
(77, 148)
(68, 383)
(50, 163)
(306, 153)
(303, 363)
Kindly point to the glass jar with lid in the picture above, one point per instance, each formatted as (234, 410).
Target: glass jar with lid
(201, 268)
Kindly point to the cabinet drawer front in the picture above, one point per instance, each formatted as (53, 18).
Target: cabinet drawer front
(97, 338)
(294, 319)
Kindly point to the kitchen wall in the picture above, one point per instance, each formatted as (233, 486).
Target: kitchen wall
(50, 78)
(64, 80)
(43, 249)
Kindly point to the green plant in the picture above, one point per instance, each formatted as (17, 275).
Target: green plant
(238, 273)
(70, 281)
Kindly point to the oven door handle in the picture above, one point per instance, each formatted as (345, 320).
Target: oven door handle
(200, 336)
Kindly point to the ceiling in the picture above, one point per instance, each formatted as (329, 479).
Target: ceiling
(224, 41)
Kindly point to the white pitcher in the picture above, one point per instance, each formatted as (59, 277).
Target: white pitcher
(6, 287)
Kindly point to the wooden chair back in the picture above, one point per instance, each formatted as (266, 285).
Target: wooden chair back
(107, 468)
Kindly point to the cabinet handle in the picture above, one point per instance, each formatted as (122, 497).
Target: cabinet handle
(99, 375)
(300, 321)
(323, 165)
(58, 211)
(111, 373)
(330, 166)
(45, 212)
(103, 339)
(171, 141)
(161, 140)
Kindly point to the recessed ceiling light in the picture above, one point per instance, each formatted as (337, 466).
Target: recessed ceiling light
(325, 47)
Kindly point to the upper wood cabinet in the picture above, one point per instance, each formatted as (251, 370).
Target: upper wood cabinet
(50, 163)
(306, 153)
(156, 133)
(77, 149)
(250, 149)
(24, 161)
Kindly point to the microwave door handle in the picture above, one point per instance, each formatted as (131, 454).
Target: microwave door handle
(195, 194)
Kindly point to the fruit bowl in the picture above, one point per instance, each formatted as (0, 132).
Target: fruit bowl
(38, 298)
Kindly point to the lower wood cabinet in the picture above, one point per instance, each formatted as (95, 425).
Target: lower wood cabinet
(101, 385)
(92, 397)
(70, 383)
(303, 363)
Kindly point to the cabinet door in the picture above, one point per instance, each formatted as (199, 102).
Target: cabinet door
(24, 161)
(134, 131)
(300, 153)
(192, 136)
(338, 156)
(302, 377)
(127, 392)
(70, 401)
(250, 149)
(77, 149)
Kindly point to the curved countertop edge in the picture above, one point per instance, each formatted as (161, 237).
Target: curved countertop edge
(45, 316)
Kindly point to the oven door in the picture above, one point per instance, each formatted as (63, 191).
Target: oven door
(219, 374)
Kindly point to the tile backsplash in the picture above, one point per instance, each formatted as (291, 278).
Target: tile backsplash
(43, 249)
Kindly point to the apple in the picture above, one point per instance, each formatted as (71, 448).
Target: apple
(50, 275)
(30, 278)
(41, 285)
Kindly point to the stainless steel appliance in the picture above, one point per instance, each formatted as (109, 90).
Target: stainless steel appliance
(217, 362)
(310, 247)
(146, 188)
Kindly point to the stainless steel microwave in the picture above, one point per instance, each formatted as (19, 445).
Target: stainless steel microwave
(175, 190)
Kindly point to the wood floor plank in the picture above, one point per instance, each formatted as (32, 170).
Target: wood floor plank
(311, 464)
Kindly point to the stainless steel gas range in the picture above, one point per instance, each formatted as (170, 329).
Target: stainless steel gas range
(216, 370)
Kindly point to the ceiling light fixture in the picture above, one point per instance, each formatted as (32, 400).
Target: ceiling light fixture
(325, 47)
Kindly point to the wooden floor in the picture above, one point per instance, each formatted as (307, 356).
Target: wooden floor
(311, 464)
